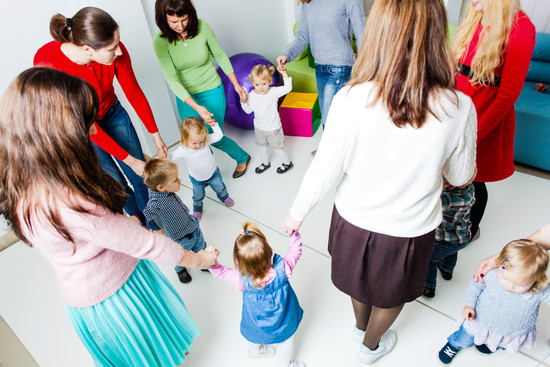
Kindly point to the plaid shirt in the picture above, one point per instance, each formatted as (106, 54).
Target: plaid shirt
(170, 213)
(457, 204)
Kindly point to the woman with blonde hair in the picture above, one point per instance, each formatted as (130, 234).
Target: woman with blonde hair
(492, 51)
(391, 133)
(58, 200)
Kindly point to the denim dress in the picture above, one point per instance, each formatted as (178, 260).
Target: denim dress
(271, 314)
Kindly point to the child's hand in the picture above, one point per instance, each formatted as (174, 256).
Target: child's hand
(211, 122)
(469, 313)
(282, 70)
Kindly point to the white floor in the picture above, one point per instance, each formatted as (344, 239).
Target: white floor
(31, 305)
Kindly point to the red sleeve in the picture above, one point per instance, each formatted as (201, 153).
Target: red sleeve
(132, 90)
(515, 67)
(107, 143)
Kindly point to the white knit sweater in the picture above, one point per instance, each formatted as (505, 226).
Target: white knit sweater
(389, 178)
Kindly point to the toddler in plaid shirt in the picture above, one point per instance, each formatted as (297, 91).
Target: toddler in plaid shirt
(168, 211)
(452, 234)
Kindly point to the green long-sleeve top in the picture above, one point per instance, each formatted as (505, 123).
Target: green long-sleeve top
(187, 65)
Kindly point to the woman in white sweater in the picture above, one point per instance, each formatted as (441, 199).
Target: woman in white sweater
(392, 134)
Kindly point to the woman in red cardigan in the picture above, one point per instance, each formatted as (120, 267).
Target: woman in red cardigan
(88, 46)
(492, 51)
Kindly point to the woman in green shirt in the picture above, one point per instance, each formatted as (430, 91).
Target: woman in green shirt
(184, 47)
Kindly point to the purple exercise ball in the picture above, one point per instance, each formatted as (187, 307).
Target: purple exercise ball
(242, 64)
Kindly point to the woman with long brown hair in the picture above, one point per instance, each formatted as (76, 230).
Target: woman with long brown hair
(58, 200)
(492, 51)
(391, 134)
(88, 46)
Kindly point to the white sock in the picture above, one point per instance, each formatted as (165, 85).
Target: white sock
(264, 155)
(285, 350)
(282, 154)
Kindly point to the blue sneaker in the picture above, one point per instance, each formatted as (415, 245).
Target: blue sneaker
(447, 353)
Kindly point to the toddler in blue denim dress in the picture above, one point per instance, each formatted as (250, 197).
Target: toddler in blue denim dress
(501, 312)
(201, 164)
(271, 312)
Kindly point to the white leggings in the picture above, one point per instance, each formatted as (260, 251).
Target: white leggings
(284, 350)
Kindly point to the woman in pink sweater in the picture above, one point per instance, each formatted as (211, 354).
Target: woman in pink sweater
(58, 200)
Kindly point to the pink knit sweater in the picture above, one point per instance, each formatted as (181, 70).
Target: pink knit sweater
(106, 251)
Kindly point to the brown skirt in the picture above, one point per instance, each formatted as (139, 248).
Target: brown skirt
(376, 269)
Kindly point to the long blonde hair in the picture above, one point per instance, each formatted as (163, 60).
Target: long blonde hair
(498, 15)
(46, 157)
(404, 53)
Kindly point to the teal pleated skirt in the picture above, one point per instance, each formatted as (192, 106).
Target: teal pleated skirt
(145, 323)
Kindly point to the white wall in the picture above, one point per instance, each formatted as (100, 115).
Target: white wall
(539, 12)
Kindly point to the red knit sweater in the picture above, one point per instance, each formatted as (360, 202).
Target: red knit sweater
(495, 105)
(101, 77)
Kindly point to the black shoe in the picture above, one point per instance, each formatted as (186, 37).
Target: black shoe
(483, 349)
(238, 174)
(447, 353)
(445, 274)
(206, 270)
(184, 276)
(284, 167)
(262, 167)
(429, 292)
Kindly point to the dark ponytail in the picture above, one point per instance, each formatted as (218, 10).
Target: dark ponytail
(89, 26)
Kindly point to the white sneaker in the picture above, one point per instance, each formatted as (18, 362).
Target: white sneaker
(296, 364)
(386, 344)
(265, 351)
(358, 335)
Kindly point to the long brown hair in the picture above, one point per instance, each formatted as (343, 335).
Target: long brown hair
(252, 254)
(177, 8)
(46, 157)
(89, 26)
(404, 53)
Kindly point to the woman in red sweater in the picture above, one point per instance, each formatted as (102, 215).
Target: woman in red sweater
(88, 46)
(492, 51)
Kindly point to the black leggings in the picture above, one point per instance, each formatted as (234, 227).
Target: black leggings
(478, 209)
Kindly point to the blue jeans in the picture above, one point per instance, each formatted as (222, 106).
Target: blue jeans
(214, 101)
(199, 189)
(330, 79)
(117, 124)
(445, 255)
(461, 339)
(193, 242)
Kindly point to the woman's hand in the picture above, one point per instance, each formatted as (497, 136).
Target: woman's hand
(484, 267)
(469, 313)
(135, 164)
(290, 224)
(281, 61)
(162, 150)
(205, 114)
(241, 92)
(207, 258)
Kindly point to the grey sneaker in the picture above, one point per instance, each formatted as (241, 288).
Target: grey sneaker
(296, 364)
(386, 344)
(265, 351)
